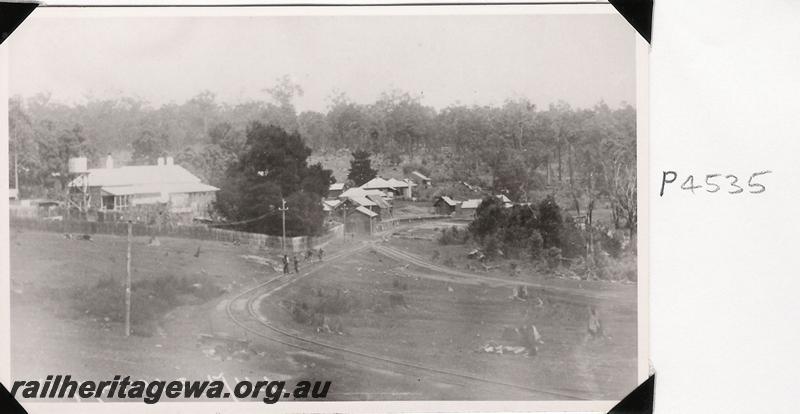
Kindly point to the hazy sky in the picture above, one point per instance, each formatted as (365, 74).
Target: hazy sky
(580, 59)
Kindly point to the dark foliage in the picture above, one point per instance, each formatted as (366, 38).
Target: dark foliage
(361, 169)
(523, 230)
(453, 236)
(272, 168)
(550, 222)
(489, 217)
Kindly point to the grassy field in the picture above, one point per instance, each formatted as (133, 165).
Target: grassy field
(52, 332)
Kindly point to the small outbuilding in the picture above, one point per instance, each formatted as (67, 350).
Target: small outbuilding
(360, 220)
(420, 179)
(445, 205)
(335, 190)
(468, 208)
(402, 188)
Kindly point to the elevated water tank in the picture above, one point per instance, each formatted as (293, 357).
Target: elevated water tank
(77, 165)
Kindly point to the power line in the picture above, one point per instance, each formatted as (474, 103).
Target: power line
(236, 223)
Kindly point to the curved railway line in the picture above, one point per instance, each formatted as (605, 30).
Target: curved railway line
(241, 310)
(580, 296)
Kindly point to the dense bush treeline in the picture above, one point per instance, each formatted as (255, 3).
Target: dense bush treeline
(515, 148)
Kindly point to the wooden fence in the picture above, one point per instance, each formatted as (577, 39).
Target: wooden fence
(393, 223)
(294, 244)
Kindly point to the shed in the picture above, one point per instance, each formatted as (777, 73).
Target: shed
(420, 179)
(445, 205)
(468, 208)
(335, 190)
(360, 221)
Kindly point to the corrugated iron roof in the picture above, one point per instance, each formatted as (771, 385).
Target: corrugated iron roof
(136, 174)
(449, 201)
(369, 213)
(420, 175)
(378, 200)
(395, 183)
(376, 183)
(471, 203)
(158, 188)
(362, 201)
(359, 192)
(330, 205)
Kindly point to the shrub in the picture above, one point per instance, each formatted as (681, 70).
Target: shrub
(552, 257)
(453, 236)
(610, 244)
(550, 222)
(573, 243)
(335, 304)
(105, 300)
(150, 299)
(490, 217)
(492, 246)
(535, 245)
(623, 268)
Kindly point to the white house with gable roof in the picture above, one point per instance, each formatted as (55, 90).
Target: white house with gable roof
(120, 188)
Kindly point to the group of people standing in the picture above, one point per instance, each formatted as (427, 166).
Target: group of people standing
(294, 260)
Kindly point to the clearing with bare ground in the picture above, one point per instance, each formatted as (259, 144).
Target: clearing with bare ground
(368, 301)
(385, 306)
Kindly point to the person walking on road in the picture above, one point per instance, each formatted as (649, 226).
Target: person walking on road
(320, 253)
(296, 262)
(285, 264)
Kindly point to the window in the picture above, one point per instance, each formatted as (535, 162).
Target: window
(121, 202)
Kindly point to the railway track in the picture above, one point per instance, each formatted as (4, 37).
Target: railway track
(242, 310)
(579, 296)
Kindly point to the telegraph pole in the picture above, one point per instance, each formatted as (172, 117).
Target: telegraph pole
(16, 173)
(283, 209)
(344, 224)
(128, 284)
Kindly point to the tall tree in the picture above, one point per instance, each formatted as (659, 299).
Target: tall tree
(349, 123)
(281, 111)
(271, 168)
(149, 146)
(23, 157)
(314, 129)
(406, 121)
(361, 169)
(55, 155)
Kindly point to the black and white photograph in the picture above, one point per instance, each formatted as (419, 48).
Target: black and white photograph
(349, 205)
